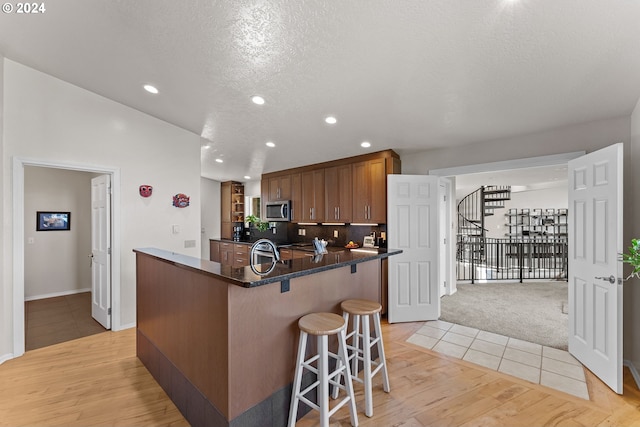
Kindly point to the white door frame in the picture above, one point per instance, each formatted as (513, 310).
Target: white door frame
(18, 240)
(528, 162)
(447, 255)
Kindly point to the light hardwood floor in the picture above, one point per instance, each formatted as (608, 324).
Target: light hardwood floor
(97, 380)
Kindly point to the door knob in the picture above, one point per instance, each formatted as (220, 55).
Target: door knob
(611, 279)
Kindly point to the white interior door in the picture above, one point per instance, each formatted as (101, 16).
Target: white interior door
(595, 285)
(412, 225)
(101, 250)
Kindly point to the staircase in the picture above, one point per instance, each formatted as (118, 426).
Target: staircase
(472, 211)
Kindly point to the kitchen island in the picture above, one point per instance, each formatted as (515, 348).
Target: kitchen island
(222, 340)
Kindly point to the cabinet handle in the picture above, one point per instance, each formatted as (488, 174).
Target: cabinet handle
(365, 211)
(369, 212)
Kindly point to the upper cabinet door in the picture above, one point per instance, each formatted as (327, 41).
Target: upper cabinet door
(338, 190)
(360, 192)
(280, 188)
(369, 192)
(313, 196)
(377, 191)
(296, 197)
(225, 202)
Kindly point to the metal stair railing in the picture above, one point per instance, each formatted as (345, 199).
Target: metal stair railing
(472, 210)
(508, 259)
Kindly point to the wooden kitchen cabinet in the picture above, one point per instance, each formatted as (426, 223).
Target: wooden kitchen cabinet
(338, 194)
(276, 188)
(214, 250)
(231, 207)
(313, 196)
(296, 197)
(370, 192)
(289, 254)
(229, 253)
(358, 196)
(280, 188)
(240, 254)
(226, 253)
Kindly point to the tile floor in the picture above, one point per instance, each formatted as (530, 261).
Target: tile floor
(54, 320)
(532, 362)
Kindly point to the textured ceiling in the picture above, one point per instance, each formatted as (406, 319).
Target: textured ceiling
(408, 75)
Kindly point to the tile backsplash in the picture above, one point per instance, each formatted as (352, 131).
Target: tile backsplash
(290, 233)
(345, 233)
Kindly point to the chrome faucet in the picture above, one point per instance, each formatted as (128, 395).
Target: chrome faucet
(256, 245)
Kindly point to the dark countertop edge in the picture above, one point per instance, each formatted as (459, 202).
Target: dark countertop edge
(207, 267)
(321, 268)
(294, 246)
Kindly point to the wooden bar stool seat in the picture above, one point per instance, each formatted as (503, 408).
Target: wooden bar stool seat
(322, 325)
(362, 310)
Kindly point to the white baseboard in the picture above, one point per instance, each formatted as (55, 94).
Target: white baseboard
(57, 294)
(127, 326)
(634, 371)
(5, 357)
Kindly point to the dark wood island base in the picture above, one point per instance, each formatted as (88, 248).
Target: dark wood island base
(223, 349)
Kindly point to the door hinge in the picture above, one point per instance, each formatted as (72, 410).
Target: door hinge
(108, 251)
(445, 240)
(445, 198)
(109, 311)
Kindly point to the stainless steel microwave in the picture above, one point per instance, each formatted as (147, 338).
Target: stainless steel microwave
(278, 211)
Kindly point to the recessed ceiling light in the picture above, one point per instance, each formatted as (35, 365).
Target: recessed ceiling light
(365, 144)
(270, 144)
(150, 89)
(247, 177)
(219, 160)
(331, 120)
(257, 99)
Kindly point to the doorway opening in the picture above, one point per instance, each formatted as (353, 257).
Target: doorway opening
(58, 265)
(536, 183)
(20, 241)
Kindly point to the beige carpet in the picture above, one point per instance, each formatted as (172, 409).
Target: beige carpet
(530, 311)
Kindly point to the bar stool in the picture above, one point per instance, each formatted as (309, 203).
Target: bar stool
(322, 325)
(360, 308)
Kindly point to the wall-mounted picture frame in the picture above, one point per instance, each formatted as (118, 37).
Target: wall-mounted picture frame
(53, 221)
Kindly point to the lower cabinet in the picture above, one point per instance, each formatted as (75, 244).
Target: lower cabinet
(229, 253)
(287, 254)
(214, 250)
(240, 255)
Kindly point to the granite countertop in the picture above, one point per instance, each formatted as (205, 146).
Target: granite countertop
(250, 277)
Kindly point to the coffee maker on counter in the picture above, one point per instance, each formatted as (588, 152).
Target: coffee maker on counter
(237, 233)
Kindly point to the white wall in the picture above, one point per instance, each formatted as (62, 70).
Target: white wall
(56, 262)
(47, 119)
(252, 189)
(6, 292)
(547, 198)
(210, 216)
(632, 229)
(587, 136)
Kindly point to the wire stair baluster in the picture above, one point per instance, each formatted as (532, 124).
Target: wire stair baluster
(472, 211)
